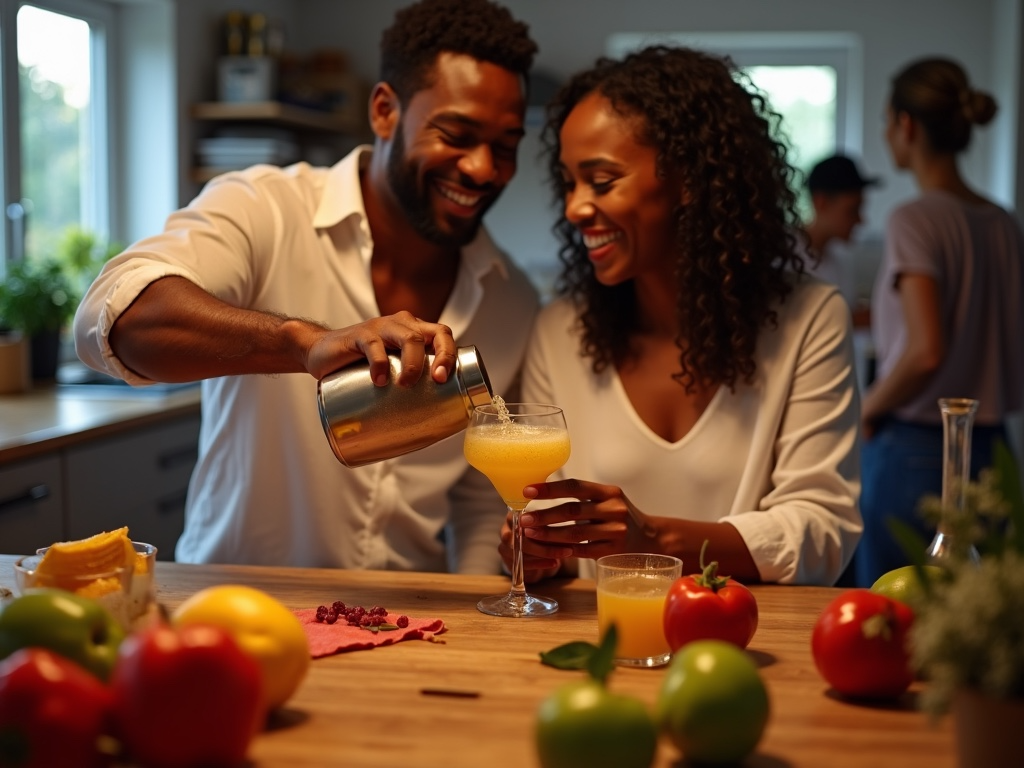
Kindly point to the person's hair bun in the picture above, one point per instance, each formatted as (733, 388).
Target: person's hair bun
(978, 107)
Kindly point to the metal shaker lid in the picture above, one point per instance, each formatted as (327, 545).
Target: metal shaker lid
(472, 375)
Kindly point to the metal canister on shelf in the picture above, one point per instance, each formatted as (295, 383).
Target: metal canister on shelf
(365, 423)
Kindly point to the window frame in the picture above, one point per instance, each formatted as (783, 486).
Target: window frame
(97, 212)
(843, 51)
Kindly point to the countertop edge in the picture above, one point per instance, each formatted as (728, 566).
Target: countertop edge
(56, 436)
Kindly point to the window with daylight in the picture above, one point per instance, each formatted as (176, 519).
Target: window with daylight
(55, 122)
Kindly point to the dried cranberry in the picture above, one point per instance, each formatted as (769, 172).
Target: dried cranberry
(402, 622)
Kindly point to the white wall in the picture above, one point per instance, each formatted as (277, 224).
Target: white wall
(148, 145)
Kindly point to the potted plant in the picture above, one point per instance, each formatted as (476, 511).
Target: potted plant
(37, 299)
(968, 635)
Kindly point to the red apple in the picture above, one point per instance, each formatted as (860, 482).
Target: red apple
(53, 712)
(186, 697)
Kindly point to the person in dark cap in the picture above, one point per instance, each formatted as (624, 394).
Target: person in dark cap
(836, 187)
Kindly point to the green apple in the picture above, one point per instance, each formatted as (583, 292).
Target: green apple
(584, 725)
(904, 584)
(75, 627)
(712, 703)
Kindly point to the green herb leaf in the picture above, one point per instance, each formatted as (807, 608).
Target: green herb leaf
(1008, 484)
(602, 661)
(387, 627)
(597, 660)
(910, 541)
(574, 655)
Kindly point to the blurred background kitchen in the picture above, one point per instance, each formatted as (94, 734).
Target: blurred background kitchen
(115, 113)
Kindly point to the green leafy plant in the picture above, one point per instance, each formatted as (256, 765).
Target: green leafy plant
(36, 297)
(82, 254)
(40, 295)
(969, 629)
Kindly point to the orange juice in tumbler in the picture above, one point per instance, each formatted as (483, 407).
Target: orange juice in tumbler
(635, 603)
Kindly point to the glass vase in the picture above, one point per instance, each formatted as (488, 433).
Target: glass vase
(952, 538)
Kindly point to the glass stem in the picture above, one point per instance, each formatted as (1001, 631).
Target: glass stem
(518, 580)
(957, 425)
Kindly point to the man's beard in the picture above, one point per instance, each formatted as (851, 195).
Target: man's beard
(416, 204)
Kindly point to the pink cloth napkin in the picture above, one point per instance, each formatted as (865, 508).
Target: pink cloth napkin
(326, 639)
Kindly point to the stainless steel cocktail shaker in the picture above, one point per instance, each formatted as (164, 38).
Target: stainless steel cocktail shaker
(365, 423)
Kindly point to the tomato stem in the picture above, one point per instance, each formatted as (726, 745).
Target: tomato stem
(709, 573)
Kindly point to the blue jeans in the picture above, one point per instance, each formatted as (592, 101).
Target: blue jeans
(901, 463)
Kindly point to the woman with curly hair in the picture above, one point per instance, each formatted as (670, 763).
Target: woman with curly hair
(947, 309)
(701, 371)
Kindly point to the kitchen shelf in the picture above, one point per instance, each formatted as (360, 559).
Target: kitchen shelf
(274, 113)
(310, 126)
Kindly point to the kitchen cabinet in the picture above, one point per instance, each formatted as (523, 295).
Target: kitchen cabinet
(31, 504)
(74, 464)
(139, 479)
(334, 132)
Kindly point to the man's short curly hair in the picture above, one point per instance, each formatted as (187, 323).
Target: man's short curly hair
(735, 248)
(478, 28)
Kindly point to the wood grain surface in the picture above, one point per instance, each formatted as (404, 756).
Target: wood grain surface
(369, 708)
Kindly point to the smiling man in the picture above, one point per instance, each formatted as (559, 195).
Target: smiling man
(295, 272)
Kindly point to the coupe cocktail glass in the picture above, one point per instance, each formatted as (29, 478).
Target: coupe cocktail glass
(515, 445)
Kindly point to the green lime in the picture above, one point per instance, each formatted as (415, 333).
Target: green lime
(904, 584)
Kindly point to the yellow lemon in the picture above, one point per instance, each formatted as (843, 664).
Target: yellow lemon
(262, 626)
(904, 584)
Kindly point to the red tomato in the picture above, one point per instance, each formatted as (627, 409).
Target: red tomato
(860, 646)
(186, 697)
(706, 606)
(52, 712)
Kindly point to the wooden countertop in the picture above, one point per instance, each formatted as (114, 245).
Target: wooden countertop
(367, 708)
(49, 418)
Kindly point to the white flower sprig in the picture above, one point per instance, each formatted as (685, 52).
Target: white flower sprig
(969, 627)
(970, 632)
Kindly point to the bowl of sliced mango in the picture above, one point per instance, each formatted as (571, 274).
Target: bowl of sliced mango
(108, 567)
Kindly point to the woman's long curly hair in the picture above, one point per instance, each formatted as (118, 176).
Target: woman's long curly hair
(735, 248)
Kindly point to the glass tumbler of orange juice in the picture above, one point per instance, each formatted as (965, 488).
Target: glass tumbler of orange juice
(631, 590)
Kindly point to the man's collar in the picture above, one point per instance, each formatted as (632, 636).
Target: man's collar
(342, 195)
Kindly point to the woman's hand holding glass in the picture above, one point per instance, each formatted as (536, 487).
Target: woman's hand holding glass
(600, 520)
(514, 444)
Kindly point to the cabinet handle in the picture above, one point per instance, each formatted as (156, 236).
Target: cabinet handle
(186, 455)
(35, 493)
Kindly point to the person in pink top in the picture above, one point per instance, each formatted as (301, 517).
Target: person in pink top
(947, 309)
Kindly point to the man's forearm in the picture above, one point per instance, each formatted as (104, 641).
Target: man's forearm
(175, 331)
